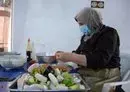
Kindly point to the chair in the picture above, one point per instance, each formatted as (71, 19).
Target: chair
(125, 75)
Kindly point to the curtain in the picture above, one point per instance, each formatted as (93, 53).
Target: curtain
(5, 11)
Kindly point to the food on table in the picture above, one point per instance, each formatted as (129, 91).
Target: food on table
(46, 77)
(75, 87)
(60, 78)
(53, 79)
(41, 78)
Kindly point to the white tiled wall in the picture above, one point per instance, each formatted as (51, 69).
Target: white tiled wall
(51, 22)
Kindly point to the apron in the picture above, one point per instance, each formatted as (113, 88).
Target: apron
(95, 78)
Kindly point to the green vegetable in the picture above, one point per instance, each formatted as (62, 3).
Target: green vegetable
(42, 69)
(67, 75)
(68, 82)
(61, 87)
(36, 70)
(39, 70)
(48, 83)
(31, 80)
(60, 78)
(57, 72)
(38, 86)
(68, 79)
(74, 87)
(40, 77)
(53, 79)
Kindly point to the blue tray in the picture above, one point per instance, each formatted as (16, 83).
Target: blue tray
(11, 74)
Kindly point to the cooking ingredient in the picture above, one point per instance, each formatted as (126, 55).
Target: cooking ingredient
(32, 67)
(38, 86)
(48, 70)
(68, 79)
(61, 87)
(53, 79)
(30, 80)
(60, 78)
(68, 82)
(40, 77)
(57, 72)
(52, 86)
(74, 87)
(48, 83)
(66, 75)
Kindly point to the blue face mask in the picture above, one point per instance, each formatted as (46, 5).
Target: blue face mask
(84, 29)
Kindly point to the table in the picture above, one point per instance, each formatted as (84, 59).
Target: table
(7, 77)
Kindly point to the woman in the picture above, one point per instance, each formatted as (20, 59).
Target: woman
(98, 53)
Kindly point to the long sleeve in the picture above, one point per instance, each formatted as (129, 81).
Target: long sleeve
(105, 48)
(78, 50)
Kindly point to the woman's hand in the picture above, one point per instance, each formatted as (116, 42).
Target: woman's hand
(63, 56)
(76, 58)
(60, 56)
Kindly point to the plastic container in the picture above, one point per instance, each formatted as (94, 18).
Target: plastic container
(11, 61)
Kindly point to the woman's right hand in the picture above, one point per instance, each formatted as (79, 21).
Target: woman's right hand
(76, 58)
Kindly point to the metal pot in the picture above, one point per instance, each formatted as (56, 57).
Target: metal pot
(46, 59)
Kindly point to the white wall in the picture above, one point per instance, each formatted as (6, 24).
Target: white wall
(116, 14)
(52, 22)
(18, 25)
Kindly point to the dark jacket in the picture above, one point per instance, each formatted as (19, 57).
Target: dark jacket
(102, 49)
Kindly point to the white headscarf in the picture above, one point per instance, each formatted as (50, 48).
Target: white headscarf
(90, 17)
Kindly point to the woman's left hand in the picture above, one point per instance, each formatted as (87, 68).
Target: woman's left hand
(59, 56)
